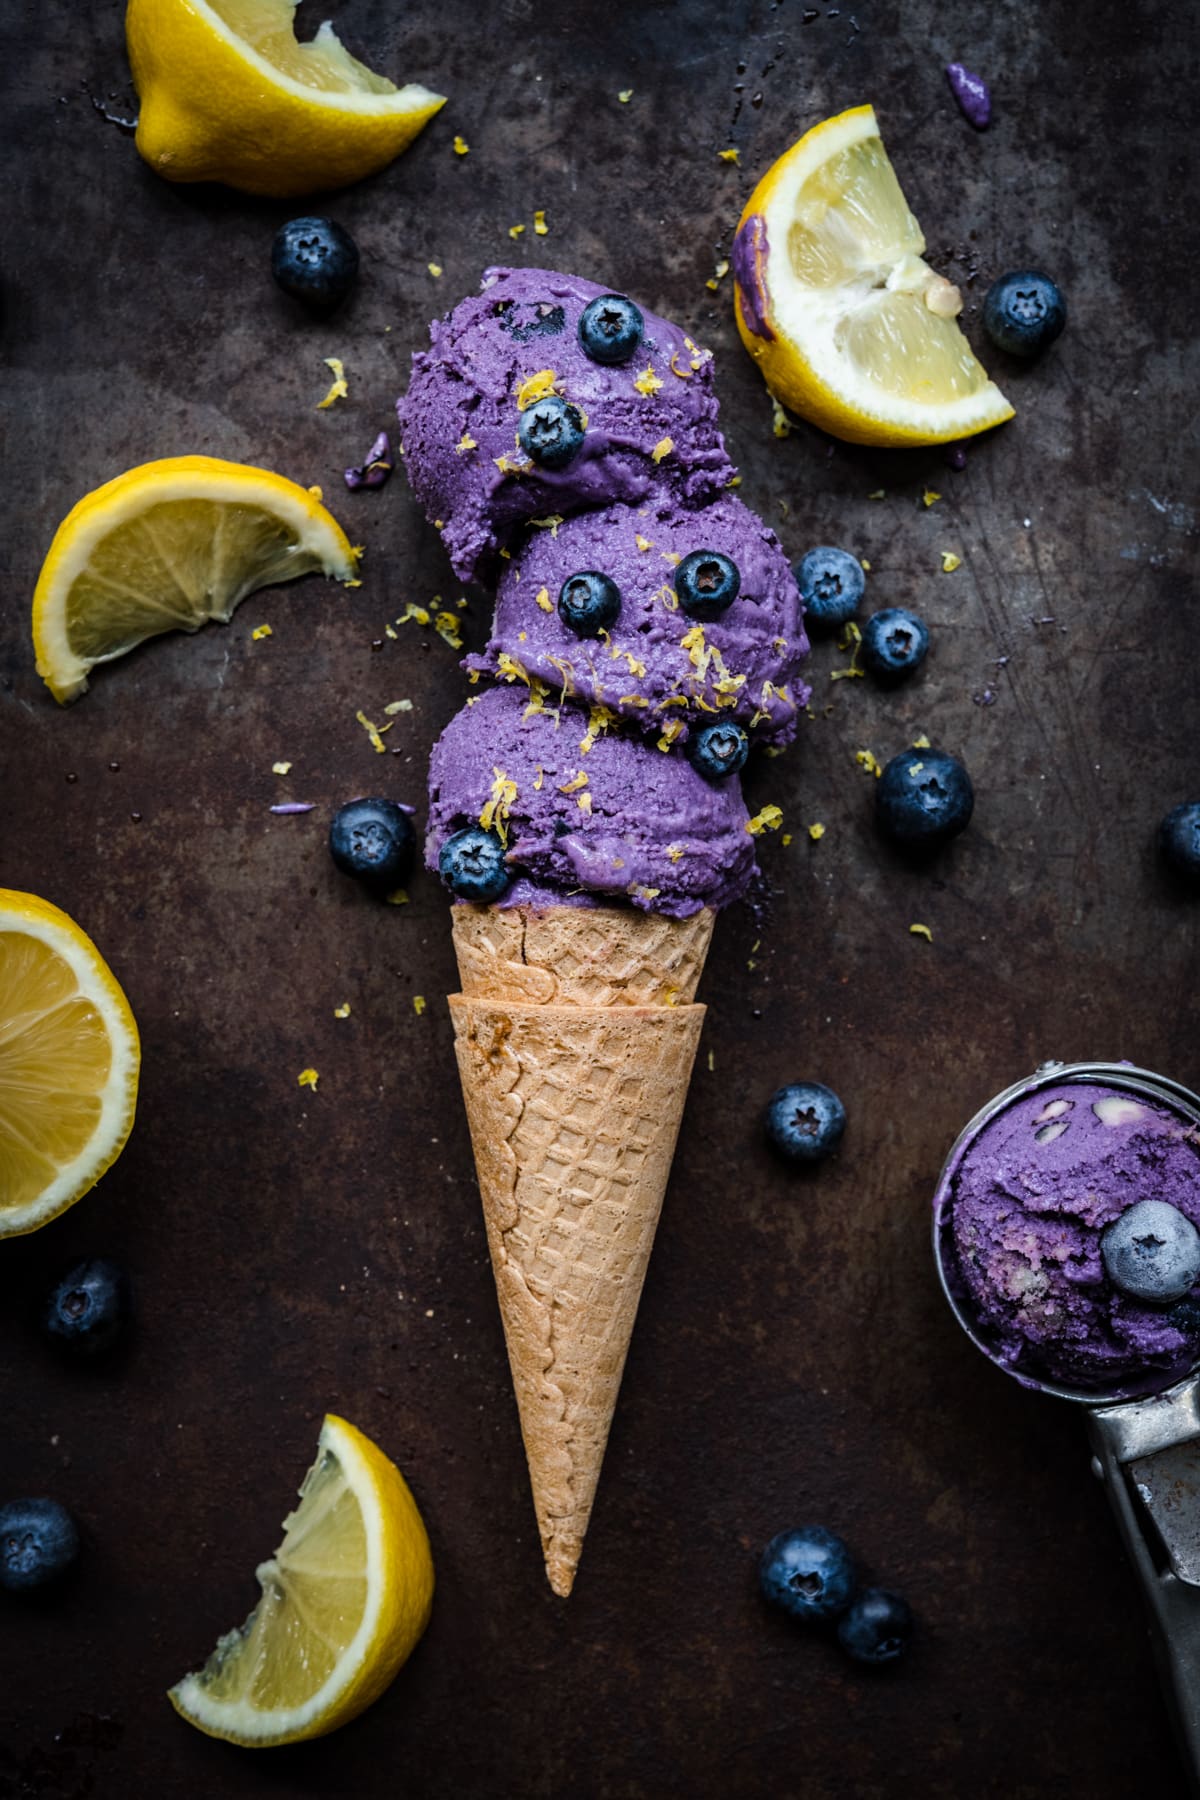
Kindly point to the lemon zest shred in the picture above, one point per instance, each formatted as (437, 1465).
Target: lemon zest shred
(921, 931)
(342, 1011)
(307, 1078)
(543, 599)
(648, 382)
(573, 786)
(781, 425)
(816, 832)
(929, 496)
(260, 631)
(338, 389)
(374, 732)
(435, 269)
(584, 802)
(625, 96)
(397, 706)
(950, 562)
(769, 819)
(869, 761)
(418, 1004)
(662, 449)
(446, 626)
(643, 543)
(397, 897)
(674, 852)
(466, 442)
(514, 231)
(461, 146)
(536, 387)
(539, 224)
(550, 523)
(280, 768)
(730, 156)
(541, 776)
(497, 808)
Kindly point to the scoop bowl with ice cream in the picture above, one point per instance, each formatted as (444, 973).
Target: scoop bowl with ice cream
(1064, 1235)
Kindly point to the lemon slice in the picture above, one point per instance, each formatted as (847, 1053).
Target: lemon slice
(166, 547)
(344, 1600)
(69, 1060)
(851, 328)
(227, 94)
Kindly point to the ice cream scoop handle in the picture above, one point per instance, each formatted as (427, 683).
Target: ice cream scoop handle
(1147, 1453)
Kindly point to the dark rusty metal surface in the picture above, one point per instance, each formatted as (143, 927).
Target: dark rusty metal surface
(294, 1252)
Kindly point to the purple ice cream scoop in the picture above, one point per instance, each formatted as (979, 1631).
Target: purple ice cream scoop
(1023, 1206)
(587, 811)
(656, 666)
(649, 424)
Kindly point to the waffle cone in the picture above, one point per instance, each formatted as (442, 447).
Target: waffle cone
(580, 955)
(574, 1110)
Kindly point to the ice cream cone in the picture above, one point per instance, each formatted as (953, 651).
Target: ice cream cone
(575, 1036)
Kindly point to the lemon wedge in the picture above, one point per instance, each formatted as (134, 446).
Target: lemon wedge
(166, 547)
(227, 94)
(69, 1060)
(851, 328)
(345, 1599)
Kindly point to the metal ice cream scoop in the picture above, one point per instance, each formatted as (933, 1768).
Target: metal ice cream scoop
(1145, 1443)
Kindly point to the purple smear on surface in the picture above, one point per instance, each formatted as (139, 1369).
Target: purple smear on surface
(956, 457)
(294, 806)
(750, 253)
(972, 94)
(376, 466)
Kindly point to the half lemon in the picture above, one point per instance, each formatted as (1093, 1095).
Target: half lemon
(167, 547)
(345, 1599)
(69, 1062)
(851, 328)
(228, 94)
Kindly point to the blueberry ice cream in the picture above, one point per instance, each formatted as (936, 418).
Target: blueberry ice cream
(1027, 1209)
(511, 414)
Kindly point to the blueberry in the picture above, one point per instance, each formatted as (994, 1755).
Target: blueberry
(39, 1543)
(86, 1311)
(374, 841)
(315, 261)
(706, 583)
(876, 1628)
(894, 643)
(831, 584)
(805, 1121)
(472, 863)
(551, 432)
(588, 603)
(1023, 312)
(1179, 841)
(923, 797)
(610, 329)
(1152, 1252)
(718, 750)
(808, 1572)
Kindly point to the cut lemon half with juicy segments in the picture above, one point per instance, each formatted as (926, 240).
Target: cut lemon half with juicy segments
(852, 330)
(166, 547)
(345, 1599)
(69, 1060)
(227, 94)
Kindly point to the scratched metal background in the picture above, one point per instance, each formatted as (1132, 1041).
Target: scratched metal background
(294, 1252)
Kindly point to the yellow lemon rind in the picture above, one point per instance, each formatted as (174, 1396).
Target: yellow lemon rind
(400, 1584)
(40, 918)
